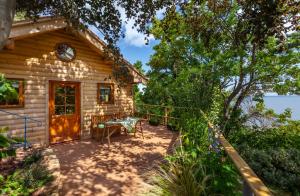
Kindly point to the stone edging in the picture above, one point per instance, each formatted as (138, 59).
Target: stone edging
(51, 162)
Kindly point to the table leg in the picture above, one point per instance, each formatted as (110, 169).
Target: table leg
(108, 136)
(141, 129)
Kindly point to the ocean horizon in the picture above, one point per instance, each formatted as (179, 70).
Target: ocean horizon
(280, 102)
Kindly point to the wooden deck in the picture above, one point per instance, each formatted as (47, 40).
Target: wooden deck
(91, 168)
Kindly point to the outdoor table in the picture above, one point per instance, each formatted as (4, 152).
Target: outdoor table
(129, 123)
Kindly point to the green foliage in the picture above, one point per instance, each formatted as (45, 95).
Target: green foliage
(154, 121)
(199, 63)
(183, 177)
(196, 170)
(285, 136)
(226, 179)
(7, 91)
(137, 93)
(26, 180)
(278, 167)
(273, 153)
(195, 136)
(186, 175)
(5, 143)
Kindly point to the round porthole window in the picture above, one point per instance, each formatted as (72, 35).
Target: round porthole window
(65, 52)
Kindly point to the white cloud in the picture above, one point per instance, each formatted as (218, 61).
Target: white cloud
(132, 36)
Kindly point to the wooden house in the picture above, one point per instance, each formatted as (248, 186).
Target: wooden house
(62, 77)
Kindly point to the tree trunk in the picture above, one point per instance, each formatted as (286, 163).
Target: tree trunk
(7, 13)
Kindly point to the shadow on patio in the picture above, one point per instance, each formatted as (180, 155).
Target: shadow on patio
(91, 168)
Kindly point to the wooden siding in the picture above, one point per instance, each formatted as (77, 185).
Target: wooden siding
(34, 60)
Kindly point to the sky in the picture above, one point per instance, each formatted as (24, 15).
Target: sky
(133, 45)
(133, 49)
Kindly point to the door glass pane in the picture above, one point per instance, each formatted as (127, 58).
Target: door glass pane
(105, 94)
(59, 90)
(70, 90)
(70, 99)
(70, 109)
(59, 100)
(59, 110)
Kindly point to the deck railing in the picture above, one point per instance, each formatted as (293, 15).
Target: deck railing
(26, 119)
(252, 184)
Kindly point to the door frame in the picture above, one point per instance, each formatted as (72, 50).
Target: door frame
(48, 90)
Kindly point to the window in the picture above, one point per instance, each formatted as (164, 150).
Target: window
(105, 93)
(12, 93)
(65, 52)
(65, 102)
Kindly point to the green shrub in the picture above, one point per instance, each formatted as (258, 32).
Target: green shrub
(154, 121)
(206, 175)
(225, 178)
(5, 143)
(183, 178)
(287, 136)
(273, 154)
(277, 167)
(26, 179)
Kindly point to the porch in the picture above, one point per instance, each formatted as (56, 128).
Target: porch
(91, 168)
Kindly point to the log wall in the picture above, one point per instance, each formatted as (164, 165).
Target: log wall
(34, 60)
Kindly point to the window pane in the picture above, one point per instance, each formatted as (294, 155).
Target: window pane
(105, 94)
(70, 99)
(70, 109)
(70, 90)
(60, 90)
(12, 89)
(59, 110)
(59, 100)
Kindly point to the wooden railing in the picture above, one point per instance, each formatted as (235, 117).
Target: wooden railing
(252, 184)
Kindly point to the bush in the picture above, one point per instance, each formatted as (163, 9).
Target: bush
(277, 167)
(154, 121)
(26, 179)
(273, 154)
(183, 178)
(206, 175)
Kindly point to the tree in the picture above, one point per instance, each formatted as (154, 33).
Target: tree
(137, 93)
(225, 59)
(104, 15)
(263, 17)
(7, 12)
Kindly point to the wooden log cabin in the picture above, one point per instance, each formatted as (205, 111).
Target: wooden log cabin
(62, 77)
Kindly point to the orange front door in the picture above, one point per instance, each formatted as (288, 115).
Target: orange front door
(64, 111)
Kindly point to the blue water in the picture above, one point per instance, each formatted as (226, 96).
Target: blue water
(280, 103)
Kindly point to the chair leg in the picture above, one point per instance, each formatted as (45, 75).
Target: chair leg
(103, 135)
(135, 129)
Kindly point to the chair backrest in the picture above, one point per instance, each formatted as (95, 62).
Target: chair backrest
(97, 119)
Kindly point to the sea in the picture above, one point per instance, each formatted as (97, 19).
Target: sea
(279, 103)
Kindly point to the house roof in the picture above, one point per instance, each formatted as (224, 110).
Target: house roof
(27, 28)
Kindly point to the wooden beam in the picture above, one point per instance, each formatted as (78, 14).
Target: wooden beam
(29, 28)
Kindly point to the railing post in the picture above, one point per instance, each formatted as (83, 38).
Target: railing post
(166, 117)
(247, 190)
(25, 132)
(147, 113)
